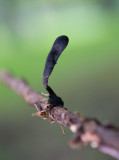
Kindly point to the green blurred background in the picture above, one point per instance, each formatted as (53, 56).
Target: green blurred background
(86, 76)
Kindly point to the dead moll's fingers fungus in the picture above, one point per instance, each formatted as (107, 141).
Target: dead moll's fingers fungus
(56, 50)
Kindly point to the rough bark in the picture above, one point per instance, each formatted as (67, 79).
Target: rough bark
(104, 138)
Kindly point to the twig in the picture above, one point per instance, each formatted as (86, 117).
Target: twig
(105, 138)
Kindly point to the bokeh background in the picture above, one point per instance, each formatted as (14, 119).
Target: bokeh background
(86, 76)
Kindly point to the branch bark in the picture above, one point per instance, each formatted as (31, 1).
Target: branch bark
(104, 138)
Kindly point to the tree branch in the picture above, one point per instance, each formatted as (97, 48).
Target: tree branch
(104, 138)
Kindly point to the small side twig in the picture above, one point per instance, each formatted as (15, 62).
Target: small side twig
(104, 138)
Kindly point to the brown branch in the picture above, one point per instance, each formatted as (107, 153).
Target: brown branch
(105, 138)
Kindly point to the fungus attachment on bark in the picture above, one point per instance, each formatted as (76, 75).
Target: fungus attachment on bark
(56, 50)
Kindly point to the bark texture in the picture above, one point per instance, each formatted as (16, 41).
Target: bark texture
(104, 138)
